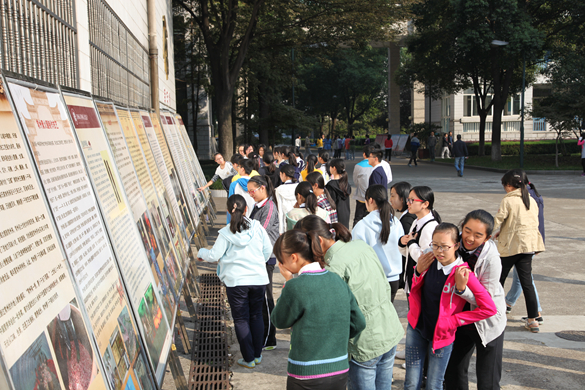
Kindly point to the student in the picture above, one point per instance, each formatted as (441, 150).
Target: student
(240, 186)
(487, 336)
(519, 238)
(321, 308)
(335, 146)
(361, 178)
(324, 199)
(283, 155)
(311, 166)
(414, 145)
(346, 142)
(298, 142)
(381, 230)
(285, 194)
(516, 289)
(327, 143)
(242, 150)
(320, 143)
(340, 190)
(265, 211)
(306, 205)
(445, 147)
(324, 167)
(234, 160)
(581, 143)
(238, 162)
(388, 143)
(460, 153)
(223, 171)
(270, 169)
(372, 353)
(420, 202)
(242, 249)
(398, 197)
(432, 145)
(436, 311)
(378, 175)
(307, 145)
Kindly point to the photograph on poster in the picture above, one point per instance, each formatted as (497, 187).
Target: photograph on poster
(72, 348)
(152, 318)
(142, 375)
(128, 333)
(111, 370)
(36, 368)
(119, 353)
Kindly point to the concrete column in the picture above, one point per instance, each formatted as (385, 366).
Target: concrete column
(393, 90)
(418, 107)
(153, 55)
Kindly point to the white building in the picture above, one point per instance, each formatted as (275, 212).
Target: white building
(458, 113)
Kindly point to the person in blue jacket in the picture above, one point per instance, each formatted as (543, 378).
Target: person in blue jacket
(381, 230)
(242, 249)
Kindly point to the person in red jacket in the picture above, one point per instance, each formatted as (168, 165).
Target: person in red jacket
(388, 143)
(436, 308)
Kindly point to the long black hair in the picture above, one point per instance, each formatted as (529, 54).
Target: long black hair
(289, 153)
(329, 231)
(339, 166)
(425, 194)
(311, 162)
(305, 189)
(268, 159)
(305, 244)
(402, 189)
(482, 216)
(317, 178)
(379, 194)
(260, 181)
(527, 183)
(289, 172)
(236, 206)
(515, 178)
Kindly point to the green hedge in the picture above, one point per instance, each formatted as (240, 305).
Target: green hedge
(532, 147)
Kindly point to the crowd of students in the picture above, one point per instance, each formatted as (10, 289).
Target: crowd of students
(341, 283)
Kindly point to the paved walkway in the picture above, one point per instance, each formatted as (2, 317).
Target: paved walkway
(531, 361)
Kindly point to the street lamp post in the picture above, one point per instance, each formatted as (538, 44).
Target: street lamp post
(496, 42)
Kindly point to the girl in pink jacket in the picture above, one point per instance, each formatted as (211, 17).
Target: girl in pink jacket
(436, 308)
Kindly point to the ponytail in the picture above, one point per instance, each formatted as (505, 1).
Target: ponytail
(292, 159)
(260, 181)
(311, 162)
(305, 190)
(516, 178)
(236, 206)
(305, 244)
(426, 194)
(379, 194)
(317, 178)
(334, 231)
(527, 183)
(289, 171)
(339, 166)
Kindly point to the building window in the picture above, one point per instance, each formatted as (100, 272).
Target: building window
(513, 105)
(470, 103)
(446, 114)
(539, 124)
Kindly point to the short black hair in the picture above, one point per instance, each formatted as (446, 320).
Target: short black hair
(458, 136)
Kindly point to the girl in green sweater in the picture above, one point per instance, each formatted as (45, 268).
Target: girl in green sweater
(323, 311)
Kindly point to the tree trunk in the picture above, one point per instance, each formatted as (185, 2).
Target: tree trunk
(263, 112)
(557, 150)
(482, 122)
(224, 120)
(496, 152)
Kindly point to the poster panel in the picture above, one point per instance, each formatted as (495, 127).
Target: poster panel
(196, 166)
(399, 142)
(169, 177)
(126, 239)
(38, 305)
(157, 206)
(177, 170)
(82, 231)
(155, 239)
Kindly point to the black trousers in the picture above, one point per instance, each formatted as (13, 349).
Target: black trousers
(413, 157)
(360, 211)
(523, 263)
(267, 307)
(227, 182)
(393, 289)
(246, 306)
(388, 154)
(336, 382)
(583, 164)
(488, 363)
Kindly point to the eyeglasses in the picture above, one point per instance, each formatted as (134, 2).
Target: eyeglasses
(252, 192)
(411, 201)
(440, 248)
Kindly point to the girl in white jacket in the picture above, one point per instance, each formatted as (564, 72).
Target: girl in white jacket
(285, 194)
(485, 336)
(381, 230)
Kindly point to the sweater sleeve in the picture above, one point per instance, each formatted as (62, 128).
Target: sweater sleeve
(286, 313)
(216, 253)
(426, 236)
(490, 280)
(357, 320)
(485, 304)
(266, 245)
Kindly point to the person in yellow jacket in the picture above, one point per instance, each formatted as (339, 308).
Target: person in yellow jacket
(519, 238)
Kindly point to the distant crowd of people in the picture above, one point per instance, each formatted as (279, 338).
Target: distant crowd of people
(293, 211)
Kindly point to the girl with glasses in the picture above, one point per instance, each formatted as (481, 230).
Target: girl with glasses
(436, 308)
(420, 202)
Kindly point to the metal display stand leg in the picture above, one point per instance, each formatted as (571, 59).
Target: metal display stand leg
(177, 370)
(183, 333)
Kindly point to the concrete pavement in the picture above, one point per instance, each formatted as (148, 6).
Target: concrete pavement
(531, 361)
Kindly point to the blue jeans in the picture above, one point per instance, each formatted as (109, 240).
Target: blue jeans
(347, 154)
(459, 162)
(372, 374)
(417, 348)
(516, 290)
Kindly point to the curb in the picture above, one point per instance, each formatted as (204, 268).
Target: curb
(529, 172)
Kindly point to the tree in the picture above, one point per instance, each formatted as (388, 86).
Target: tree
(228, 27)
(451, 51)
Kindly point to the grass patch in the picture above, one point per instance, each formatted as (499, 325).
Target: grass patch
(531, 162)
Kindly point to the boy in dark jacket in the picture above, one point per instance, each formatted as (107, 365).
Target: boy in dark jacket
(460, 153)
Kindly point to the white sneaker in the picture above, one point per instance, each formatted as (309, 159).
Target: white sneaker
(404, 365)
(400, 354)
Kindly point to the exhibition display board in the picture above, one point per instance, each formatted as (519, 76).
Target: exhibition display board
(99, 209)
